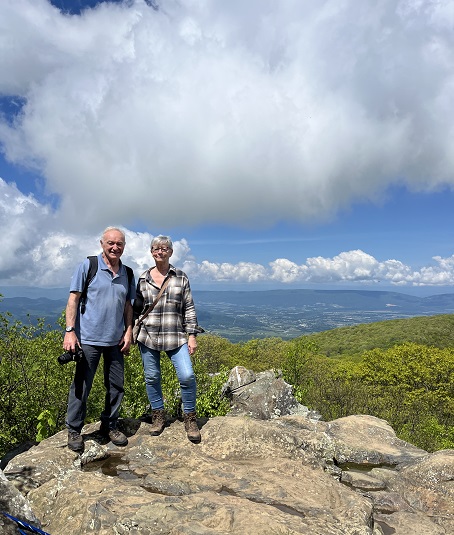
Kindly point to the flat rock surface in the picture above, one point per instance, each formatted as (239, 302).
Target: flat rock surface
(286, 475)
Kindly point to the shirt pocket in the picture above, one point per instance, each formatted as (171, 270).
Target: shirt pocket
(174, 295)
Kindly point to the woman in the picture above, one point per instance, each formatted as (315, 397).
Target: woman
(171, 327)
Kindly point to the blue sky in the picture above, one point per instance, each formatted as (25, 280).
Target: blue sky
(280, 144)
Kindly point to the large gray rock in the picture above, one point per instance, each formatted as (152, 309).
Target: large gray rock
(263, 395)
(291, 474)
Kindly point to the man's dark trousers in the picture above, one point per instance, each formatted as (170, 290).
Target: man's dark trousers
(83, 381)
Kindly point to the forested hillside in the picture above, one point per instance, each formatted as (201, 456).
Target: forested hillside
(399, 370)
(437, 331)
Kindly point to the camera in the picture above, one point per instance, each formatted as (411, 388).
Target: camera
(70, 356)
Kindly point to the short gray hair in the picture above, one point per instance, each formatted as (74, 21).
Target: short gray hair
(109, 229)
(161, 240)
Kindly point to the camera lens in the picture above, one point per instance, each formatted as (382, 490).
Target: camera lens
(69, 356)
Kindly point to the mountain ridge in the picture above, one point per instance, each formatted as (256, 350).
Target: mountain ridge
(243, 315)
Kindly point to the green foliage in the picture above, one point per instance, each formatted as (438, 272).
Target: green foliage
(31, 381)
(409, 385)
(318, 382)
(135, 402)
(46, 425)
(209, 385)
(388, 369)
(296, 366)
(329, 388)
(216, 352)
(264, 354)
(170, 386)
(258, 354)
(432, 436)
(210, 401)
(412, 388)
(353, 341)
(34, 386)
(299, 353)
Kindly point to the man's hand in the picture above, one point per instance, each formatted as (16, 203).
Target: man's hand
(126, 339)
(70, 342)
(126, 342)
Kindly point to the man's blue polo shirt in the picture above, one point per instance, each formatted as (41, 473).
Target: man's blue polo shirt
(102, 324)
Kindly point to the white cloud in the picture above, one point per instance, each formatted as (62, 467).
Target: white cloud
(231, 109)
(244, 272)
(35, 254)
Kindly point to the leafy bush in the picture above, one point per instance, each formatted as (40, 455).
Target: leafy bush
(209, 386)
(31, 382)
(413, 389)
(135, 402)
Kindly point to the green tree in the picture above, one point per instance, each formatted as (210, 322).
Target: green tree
(31, 381)
(216, 352)
(261, 355)
(412, 387)
(296, 366)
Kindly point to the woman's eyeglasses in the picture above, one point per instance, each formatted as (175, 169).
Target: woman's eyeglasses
(162, 249)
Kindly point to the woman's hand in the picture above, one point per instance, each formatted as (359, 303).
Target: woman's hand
(192, 344)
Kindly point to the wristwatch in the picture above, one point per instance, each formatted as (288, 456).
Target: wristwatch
(69, 329)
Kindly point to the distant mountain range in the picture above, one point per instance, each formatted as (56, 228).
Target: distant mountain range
(240, 316)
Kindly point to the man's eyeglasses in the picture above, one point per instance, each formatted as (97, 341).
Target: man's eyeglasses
(162, 249)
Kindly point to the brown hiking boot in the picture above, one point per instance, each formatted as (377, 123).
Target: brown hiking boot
(117, 437)
(114, 435)
(191, 427)
(158, 418)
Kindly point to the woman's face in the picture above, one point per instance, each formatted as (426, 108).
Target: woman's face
(161, 252)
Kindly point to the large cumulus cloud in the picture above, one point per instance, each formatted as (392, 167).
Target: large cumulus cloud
(35, 254)
(226, 111)
(220, 112)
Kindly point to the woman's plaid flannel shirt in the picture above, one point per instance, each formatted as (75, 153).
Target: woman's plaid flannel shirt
(173, 317)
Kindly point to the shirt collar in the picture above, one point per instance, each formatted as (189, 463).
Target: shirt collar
(172, 272)
(103, 265)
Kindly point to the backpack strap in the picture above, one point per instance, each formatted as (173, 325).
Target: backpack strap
(130, 273)
(92, 270)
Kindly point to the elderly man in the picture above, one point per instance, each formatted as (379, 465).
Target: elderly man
(99, 321)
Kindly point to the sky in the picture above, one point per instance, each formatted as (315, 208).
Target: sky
(290, 144)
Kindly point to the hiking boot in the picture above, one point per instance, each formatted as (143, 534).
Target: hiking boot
(191, 427)
(114, 435)
(158, 418)
(75, 441)
(117, 437)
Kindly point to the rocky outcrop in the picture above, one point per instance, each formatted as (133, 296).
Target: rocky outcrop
(263, 395)
(289, 474)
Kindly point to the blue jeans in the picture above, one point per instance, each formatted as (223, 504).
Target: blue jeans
(181, 360)
(83, 381)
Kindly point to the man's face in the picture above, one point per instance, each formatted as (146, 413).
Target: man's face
(113, 245)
